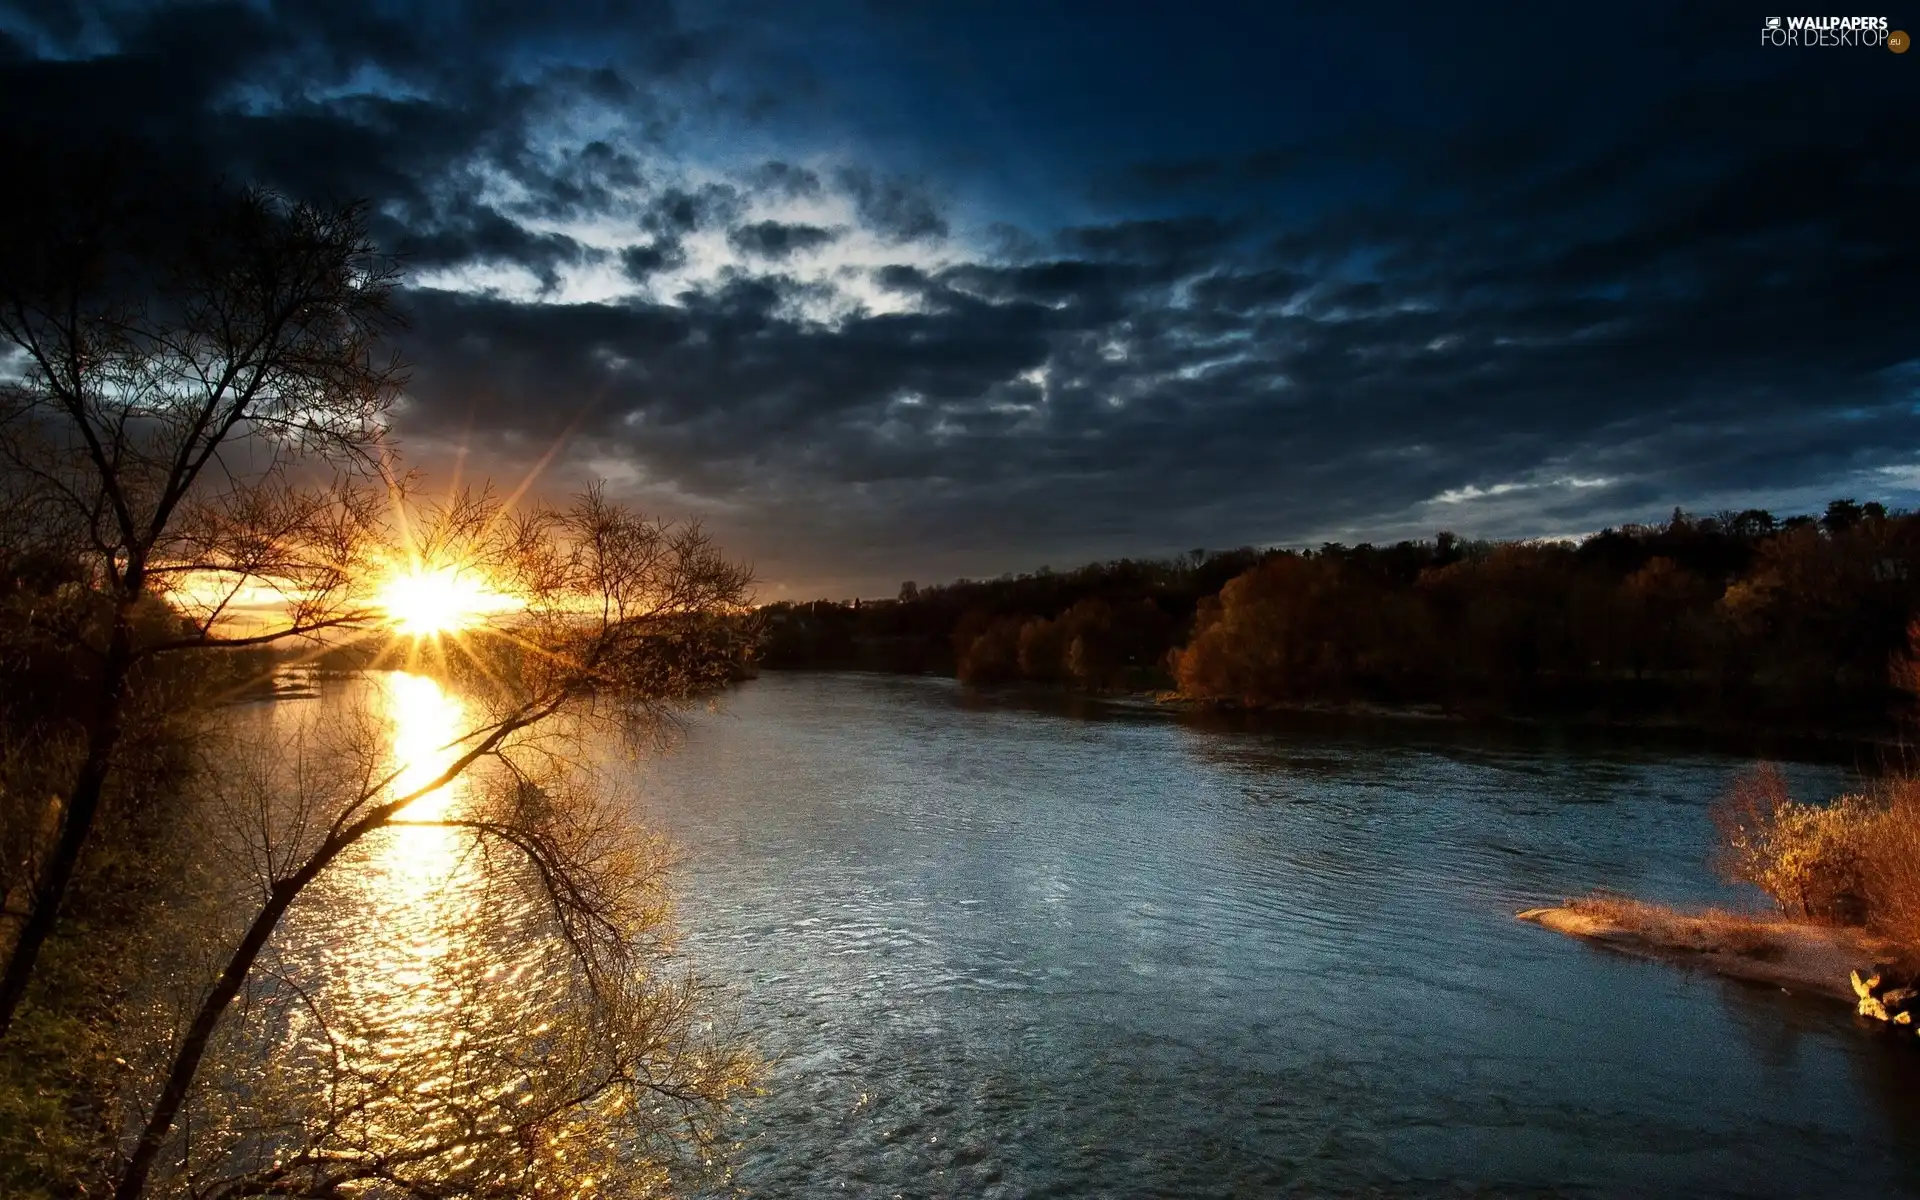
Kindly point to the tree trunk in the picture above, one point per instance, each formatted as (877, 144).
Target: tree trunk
(193, 1048)
(76, 824)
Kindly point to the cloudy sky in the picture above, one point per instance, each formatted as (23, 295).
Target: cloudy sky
(888, 290)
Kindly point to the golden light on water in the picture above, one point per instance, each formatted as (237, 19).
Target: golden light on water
(425, 601)
(425, 719)
(411, 944)
(428, 1013)
(415, 875)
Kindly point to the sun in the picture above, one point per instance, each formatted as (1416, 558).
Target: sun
(429, 601)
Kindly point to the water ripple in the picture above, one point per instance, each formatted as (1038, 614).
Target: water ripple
(1013, 953)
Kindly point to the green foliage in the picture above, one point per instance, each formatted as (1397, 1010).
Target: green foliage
(62, 1067)
(46, 1091)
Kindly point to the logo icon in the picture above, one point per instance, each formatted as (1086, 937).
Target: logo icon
(1773, 23)
(1898, 41)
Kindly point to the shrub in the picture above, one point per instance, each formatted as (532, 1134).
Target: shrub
(1808, 857)
(1890, 861)
(1854, 860)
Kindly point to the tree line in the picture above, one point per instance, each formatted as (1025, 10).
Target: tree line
(1730, 617)
(1122, 616)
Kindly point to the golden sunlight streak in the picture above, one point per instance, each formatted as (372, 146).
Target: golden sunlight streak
(414, 947)
(429, 601)
(426, 720)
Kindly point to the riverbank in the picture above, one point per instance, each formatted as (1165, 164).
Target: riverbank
(1861, 750)
(1819, 960)
(1861, 746)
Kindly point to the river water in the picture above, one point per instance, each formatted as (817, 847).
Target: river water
(1000, 947)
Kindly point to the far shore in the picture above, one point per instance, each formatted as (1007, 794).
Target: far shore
(1742, 736)
(1796, 956)
(1857, 747)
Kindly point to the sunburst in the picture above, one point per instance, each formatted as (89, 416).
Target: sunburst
(428, 601)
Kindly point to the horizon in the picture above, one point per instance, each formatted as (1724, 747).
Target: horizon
(1782, 522)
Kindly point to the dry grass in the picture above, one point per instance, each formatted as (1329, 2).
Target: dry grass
(1712, 930)
(1854, 861)
(1796, 955)
(1845, 874)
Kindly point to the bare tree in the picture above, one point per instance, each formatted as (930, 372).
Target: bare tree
(177, 371)
(192, 418)
(478, 1001)
(619, 621)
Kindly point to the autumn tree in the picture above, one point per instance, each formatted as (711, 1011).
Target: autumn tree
(1271, 636)
(1664, 608)
(1043, 648)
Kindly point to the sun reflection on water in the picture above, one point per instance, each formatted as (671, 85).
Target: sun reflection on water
(412, 883)
(425, 1016)
(410, 943)
(424, 719)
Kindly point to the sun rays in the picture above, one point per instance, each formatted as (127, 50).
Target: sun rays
(429, 601)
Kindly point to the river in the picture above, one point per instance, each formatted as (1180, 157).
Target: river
(1005, 947)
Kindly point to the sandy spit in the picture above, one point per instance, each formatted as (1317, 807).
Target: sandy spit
(1797, 956)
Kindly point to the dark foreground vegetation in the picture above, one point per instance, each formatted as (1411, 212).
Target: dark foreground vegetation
(194, 411)
(1736, 618)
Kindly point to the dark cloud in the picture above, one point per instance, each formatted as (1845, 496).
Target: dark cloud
(1205, 379)
(900, 208)
(772, 239)
(1163, 240)
(1501, 306)
(463, 233)
(681, 210)
(646, 260)
(786, 180)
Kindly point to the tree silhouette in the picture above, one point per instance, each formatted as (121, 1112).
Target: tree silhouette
(182, 353)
